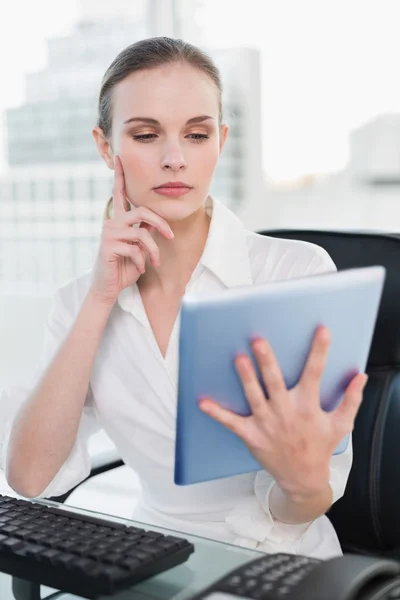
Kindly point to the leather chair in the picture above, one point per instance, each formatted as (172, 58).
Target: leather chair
(365, 518)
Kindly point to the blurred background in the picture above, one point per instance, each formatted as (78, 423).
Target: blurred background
(312, 97)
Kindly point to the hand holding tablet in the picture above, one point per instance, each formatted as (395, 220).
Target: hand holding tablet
(297, 383)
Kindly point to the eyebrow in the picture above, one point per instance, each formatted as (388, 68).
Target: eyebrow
(150, 121)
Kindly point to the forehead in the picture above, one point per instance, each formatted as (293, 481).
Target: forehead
(175, 90)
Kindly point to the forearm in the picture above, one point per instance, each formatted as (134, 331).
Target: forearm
(296, 508)
(46, 425)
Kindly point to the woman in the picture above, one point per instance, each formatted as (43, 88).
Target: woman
(111, 347)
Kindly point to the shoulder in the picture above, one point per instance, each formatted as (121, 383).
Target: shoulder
(273, 259)
(70, 295)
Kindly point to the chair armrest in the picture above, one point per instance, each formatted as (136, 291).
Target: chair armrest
(105, 461)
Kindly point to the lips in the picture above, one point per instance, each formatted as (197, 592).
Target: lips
(173, 189)
(173, 184)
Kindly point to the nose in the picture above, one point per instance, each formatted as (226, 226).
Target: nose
(173, 159)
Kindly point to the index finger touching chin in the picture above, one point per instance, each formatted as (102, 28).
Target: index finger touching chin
(119, 191)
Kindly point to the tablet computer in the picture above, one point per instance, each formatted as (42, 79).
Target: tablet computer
(216, 326)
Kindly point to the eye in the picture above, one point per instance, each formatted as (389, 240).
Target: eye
(199, 137)
(145, 137)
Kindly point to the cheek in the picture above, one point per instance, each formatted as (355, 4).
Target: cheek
(205, 161)
(138, 166)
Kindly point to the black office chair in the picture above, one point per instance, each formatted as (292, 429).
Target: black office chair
(366, 518)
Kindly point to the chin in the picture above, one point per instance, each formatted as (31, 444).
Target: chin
(174, 209)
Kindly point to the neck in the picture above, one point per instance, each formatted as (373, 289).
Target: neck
(178, 256)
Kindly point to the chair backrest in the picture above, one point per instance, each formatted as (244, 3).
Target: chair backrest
(367, 517)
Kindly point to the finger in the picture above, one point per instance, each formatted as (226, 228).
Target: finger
(150, 229)
(227, 418)
(271, 373)
(130, 251)
(347, 410)
(138, 257)
(144, 239)
(311, 377)
(145, 215)
(251, 386)
(119, 192)
(146, 226)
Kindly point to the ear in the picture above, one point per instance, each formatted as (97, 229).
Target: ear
(223, 134)
(104, 147)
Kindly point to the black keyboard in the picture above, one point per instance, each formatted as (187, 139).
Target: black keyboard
(81, 554)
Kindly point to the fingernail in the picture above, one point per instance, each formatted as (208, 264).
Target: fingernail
(365, 381)
(243, 365)
(202, 401)
(260, 347)
(324, 334)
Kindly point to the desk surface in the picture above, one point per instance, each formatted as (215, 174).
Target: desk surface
(210, 561)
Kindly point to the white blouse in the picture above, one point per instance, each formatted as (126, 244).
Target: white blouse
(133, 396)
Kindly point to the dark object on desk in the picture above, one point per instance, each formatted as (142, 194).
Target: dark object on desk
(290, 577)
(81, 554)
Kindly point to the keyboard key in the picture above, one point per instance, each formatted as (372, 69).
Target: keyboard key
(83, 564)
(50, 554)
(9, 529)
(113, 559)
(65, 544)
(143, 557)
(36, 537)
(12, 544)
(151, 549)
(174, 540)
(131, 563)
(64, 559)
(103, 530)
(166, 544)
(35, 550)
(82, 549)
(153, 535)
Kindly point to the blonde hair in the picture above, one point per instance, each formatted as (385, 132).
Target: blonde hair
(108, 210)
(149, 54)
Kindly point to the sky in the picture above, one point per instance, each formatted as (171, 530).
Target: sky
(327, 67)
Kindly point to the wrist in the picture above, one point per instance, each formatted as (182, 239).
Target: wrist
(100, 298)
(299, 507)
(308, 488)
(94, 296)
(304, 495)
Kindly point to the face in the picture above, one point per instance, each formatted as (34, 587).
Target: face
(165, 129)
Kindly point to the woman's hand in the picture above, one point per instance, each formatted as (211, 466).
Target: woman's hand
(288, 433)
(123, 248)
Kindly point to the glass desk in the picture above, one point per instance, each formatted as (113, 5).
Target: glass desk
(210, 561)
